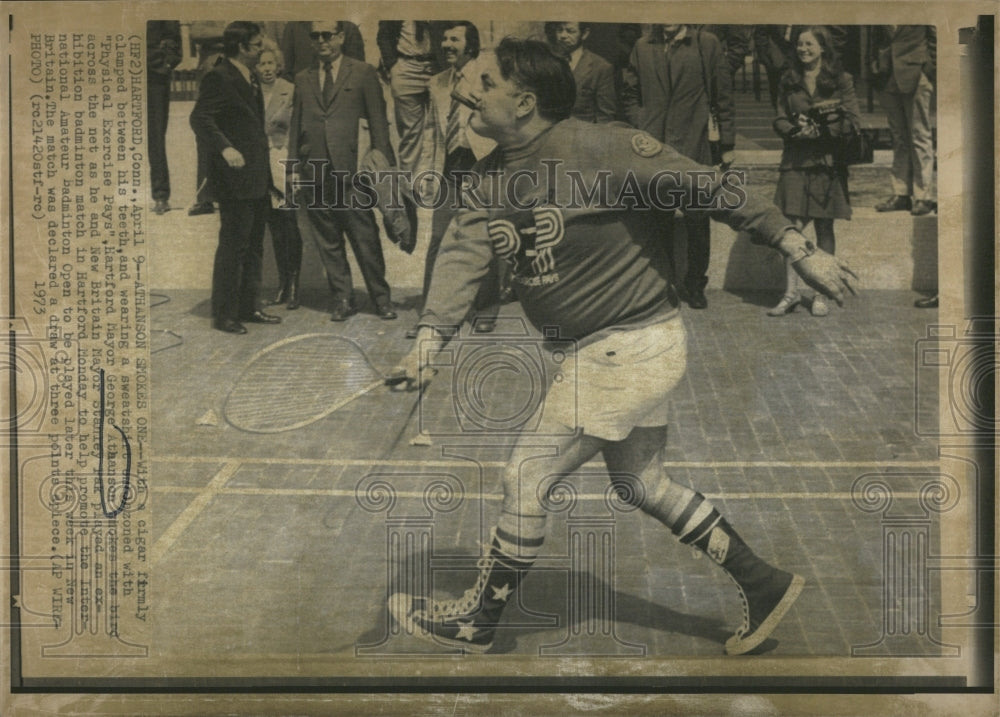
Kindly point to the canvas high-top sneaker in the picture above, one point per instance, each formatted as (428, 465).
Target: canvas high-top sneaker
(767, 592)
(468, 622)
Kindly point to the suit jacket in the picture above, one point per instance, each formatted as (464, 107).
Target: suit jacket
(903, 54)
(595, 89)
(227, 114)
(440, 91)
(319, 132)
(670, 100)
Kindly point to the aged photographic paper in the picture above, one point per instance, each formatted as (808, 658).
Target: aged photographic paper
(222, 478)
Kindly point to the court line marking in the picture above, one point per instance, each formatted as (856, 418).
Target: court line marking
(216, 486)
(193, 509)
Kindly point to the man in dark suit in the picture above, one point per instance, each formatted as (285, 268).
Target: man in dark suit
(228, 119)
(163, 53)
(676, 77)
(330, 99)
(904, 70)
(596, 100)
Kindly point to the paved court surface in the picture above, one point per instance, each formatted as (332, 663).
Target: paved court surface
(289, 542)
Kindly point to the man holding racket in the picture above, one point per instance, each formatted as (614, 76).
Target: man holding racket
(577, 215)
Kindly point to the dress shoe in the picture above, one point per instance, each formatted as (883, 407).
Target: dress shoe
(928, 302)
(259, 317)
(696, 298)
(341, 310)
(895, 203)
(201, 208)
(484, 326)
(922, 207)
(411, 333)
(230, 326)
(293, 291)
(786, 305)
(162, 206)
(385, 312)
(819, 306)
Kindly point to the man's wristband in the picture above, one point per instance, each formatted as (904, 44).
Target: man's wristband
(795, 249)
(805, 249)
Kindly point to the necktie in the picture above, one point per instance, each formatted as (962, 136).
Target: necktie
(453, 139)
(255, 85)
(328, 83)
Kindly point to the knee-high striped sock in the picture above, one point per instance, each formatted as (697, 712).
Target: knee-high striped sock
(520, 536)
(676, 506)
(695, 521)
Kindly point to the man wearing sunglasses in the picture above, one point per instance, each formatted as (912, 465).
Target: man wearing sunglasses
(299, 51)
(330, 99)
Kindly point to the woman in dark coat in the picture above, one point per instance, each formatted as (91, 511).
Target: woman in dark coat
(817, 111)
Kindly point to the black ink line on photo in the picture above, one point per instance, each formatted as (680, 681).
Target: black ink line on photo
(100, 461)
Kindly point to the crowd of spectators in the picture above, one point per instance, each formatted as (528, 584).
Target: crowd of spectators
(306, 91)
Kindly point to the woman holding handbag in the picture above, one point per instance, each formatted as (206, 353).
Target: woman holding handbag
(817, 115)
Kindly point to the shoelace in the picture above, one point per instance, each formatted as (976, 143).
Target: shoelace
(470, 598)
(745, 627)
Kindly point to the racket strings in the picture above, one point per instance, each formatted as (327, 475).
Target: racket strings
(298, 381)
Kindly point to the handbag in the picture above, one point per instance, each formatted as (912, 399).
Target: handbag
(714, 133)
(857, 148)
(854, 148)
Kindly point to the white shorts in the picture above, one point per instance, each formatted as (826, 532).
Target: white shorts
(621, 381)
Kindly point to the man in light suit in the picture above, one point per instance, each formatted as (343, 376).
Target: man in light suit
(596, 100)
(330, 99)
(407, 62)
(228, 119)
(904, 71)
(455, 148)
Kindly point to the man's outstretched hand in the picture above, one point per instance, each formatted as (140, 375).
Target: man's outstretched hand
(823, 272)
(827, 274)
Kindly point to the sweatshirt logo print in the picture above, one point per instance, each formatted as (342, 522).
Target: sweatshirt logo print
(526, 239)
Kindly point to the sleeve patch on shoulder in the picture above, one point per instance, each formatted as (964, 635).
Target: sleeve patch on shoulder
(645, 146)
